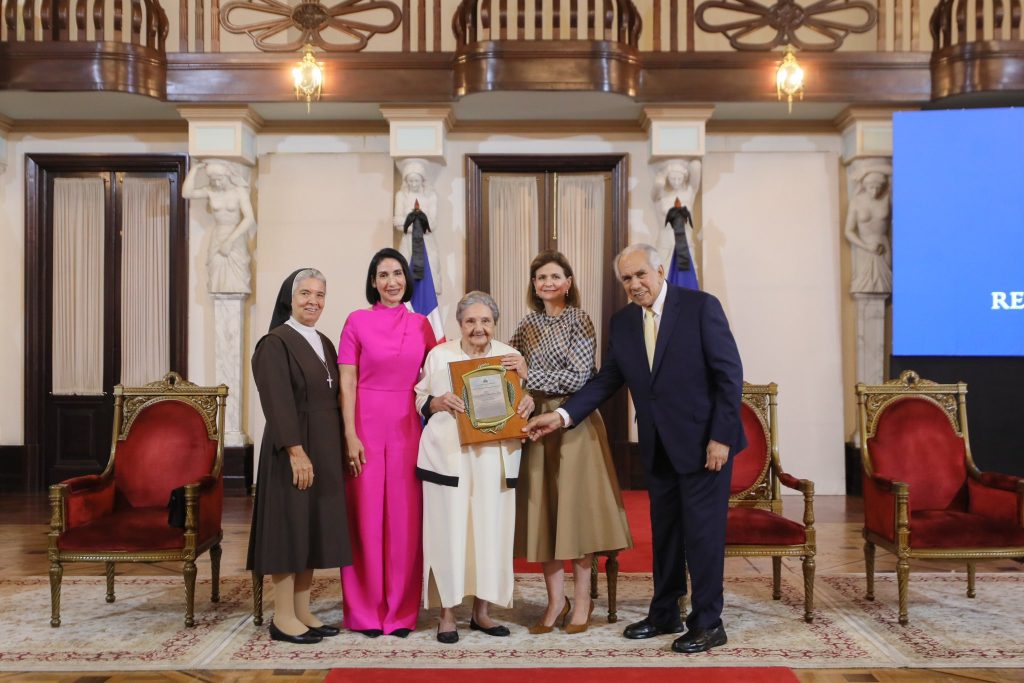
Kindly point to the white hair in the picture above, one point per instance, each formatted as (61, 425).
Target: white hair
(476, 297)
(306, 274)
(653, 257)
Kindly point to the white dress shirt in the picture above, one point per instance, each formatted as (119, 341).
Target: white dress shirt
(658, 306)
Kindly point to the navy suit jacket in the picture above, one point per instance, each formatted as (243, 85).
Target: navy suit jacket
(690, 396)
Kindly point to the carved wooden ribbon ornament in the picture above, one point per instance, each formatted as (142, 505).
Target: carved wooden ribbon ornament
(786, 18)
(312, 19)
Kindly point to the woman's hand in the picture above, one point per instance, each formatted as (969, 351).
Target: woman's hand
(302, 468)
(513, 361)
(449, 403)
(356, 454)
(526, 406)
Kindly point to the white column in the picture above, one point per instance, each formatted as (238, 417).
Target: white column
(870, 337)
(229, 320)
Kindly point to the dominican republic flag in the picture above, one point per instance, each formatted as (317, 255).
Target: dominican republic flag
(424, 301)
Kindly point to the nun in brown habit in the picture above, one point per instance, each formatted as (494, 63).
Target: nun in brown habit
(298, 521)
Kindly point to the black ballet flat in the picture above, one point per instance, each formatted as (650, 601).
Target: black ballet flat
(370, 632)
(401, 632)
(325, 630)
(499, 630)
(448, 637)
(308, 638)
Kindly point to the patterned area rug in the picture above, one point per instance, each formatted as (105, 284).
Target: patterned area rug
(143, 629)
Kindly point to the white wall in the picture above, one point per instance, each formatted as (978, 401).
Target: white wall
(330, 211)
(771, 254)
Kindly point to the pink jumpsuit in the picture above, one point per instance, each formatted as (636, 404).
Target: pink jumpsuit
(382, 586)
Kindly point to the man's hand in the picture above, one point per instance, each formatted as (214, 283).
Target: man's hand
(718, 454)
(543, 425)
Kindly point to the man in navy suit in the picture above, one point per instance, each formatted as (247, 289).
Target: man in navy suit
(672, 347)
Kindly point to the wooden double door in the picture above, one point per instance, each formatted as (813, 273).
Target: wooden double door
(74, 272)
(518, 205)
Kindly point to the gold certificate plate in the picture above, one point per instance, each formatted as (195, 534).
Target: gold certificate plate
(491, 394)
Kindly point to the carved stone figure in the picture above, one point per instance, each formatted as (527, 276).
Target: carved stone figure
(227, 194)
(868, 220)
(418, 245)
(675, 192)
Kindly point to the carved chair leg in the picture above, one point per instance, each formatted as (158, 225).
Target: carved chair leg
(970, 579)
(110, 581)
(593, 576)
(611, 570)
(56, 574)
(902, 583)
(215, 553)
(808, 588)
(776, 578)
(869, 569)
(257, 599)
(190, 593)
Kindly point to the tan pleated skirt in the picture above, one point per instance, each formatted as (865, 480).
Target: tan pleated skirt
(568, 502)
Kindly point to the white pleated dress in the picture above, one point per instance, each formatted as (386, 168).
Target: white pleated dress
(469, 499)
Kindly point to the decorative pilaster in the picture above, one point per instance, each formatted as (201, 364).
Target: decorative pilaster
(418, 131)
(867, 154)
(222, 143)
(677, 147)
(229, 324)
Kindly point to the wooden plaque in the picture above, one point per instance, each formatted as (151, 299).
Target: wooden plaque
(491, 394)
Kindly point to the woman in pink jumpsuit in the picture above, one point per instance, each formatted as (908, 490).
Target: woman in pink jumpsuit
(381, 352)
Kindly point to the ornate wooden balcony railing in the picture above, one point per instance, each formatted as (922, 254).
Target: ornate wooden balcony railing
(437, 50)
(84, 45)
(977, 47)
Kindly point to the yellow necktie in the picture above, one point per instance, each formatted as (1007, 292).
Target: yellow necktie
(650, 335)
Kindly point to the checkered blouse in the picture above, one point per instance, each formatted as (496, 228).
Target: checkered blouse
(559, 351)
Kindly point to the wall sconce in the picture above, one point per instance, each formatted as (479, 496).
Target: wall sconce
(309, 77)
(789, 78)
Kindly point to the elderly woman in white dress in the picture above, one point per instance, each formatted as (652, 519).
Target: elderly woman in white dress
(469, 500)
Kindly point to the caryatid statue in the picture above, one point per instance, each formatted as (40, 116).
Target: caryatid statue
(227, 195)
(418, 244)
(868, 221)
(675, 193)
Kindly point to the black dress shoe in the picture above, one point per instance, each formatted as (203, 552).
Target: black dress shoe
(401, 632)
(700, 640)
(370, 632)
(307, 638)
(448, 637)
(325, 630)
(646, 629)
(498, 630)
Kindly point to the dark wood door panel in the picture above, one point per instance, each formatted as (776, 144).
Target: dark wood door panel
(78, 430)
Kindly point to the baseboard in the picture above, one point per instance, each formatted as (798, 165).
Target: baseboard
(238, 469)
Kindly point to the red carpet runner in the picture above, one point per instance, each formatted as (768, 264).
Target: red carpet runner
(725, 674)
(638, 558)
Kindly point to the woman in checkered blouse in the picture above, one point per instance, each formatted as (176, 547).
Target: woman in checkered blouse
(568, 503)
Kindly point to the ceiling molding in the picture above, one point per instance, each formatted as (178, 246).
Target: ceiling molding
(6, 124)
(326, 127)
(781, 127)
(548, 126)
(851, 115)
(200, 112)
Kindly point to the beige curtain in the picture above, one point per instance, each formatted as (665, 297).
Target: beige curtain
(513, 221)
(78, 232)
(581, 238)
(145, 285)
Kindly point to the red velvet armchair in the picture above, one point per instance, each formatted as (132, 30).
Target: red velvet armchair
(924, 498)
(755, 526)
(167, 435)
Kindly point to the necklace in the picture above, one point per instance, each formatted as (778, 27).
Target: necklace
(330, 382)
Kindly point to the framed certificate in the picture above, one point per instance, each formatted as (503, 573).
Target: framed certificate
(491, 394)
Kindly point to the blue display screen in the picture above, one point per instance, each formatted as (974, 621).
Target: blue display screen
(958, 233)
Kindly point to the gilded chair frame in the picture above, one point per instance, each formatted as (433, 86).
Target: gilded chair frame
(766, 494)
(872, 400)
(129, 402)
